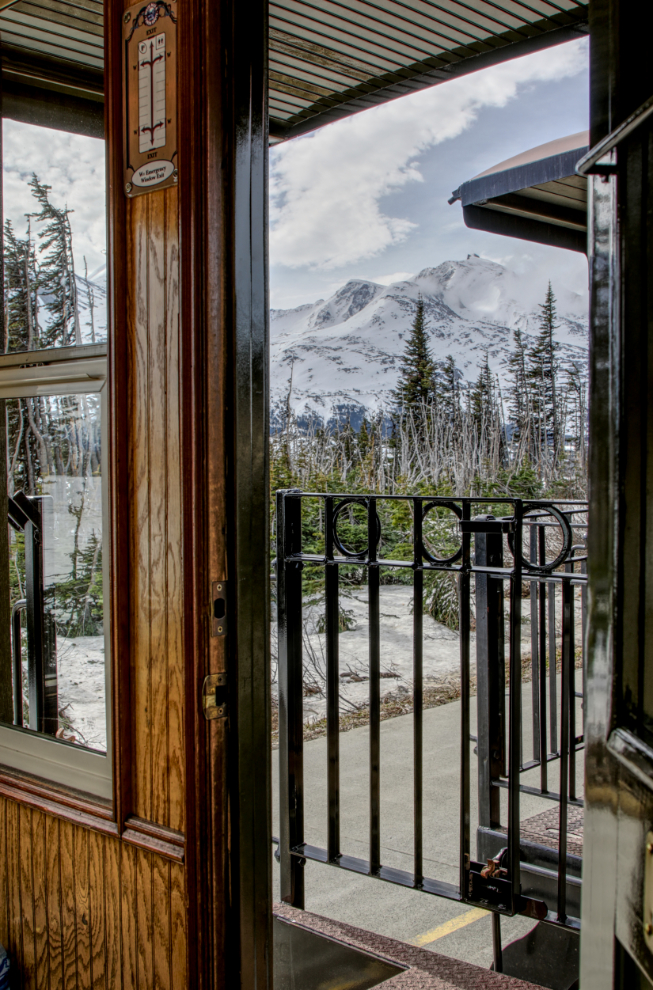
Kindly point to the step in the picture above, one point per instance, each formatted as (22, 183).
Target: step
(303, 962)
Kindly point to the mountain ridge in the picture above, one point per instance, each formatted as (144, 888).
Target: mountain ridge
(340, 357)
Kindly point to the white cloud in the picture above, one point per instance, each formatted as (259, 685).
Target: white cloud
(395, 277)
(74, 166)
(326, 187)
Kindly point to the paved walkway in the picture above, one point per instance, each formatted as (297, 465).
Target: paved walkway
(411, 916)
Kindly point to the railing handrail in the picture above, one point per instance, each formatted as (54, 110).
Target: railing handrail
(587, 163)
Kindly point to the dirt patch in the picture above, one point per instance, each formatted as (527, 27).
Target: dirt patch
(437, 691)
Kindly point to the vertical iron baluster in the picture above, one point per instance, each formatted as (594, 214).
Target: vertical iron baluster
(535, 653)
(464, 585)
(418, 685)
(17, 660)
(490, 676)
(332, 627)
(515, 730)
(566, 700)
(375, 689)
(291, 739)
(497, 951)
(583, 615)
(542, 634)
(34, 616)
(569, 567)
(553, 687)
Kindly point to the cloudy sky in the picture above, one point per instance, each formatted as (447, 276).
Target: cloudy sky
(367, 197)
(74, 166)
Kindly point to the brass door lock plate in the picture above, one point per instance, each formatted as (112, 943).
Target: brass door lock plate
(214, 696)
(219, 608)
(647, 907)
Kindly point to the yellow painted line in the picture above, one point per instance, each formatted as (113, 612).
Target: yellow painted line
(460, 921)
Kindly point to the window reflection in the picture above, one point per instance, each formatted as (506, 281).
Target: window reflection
(53, 455)
(54, 239)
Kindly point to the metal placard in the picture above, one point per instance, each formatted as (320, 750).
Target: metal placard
(150, 98)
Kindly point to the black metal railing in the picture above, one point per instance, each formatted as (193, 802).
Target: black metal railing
(25, 516)
(535, 547)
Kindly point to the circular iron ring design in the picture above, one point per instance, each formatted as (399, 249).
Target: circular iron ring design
(457, 511)
(566, 542)
(351, 554)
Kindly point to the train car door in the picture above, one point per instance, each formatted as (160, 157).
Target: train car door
(617, 925)
(135, 845)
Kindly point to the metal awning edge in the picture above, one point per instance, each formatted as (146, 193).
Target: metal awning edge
(520, 177)
(419, 77)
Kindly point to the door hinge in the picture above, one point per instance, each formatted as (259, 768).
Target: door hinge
(219, 608)
(214, 696)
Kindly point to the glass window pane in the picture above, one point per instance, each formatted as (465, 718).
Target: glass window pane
(54, 238)
(54, 570)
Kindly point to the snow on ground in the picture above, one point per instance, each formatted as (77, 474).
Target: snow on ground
(82, 690)
(441, 648)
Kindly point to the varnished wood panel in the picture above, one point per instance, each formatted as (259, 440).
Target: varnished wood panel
(97, 923)
(161, 924)
(128, 917)
(84, 910)
(53, 900)
(157, 662)
(68, 921)
(12, 854)
(174, 581)
(40, 905)
(112, 908)
(144, 921)
(178, 927)
(25, 880)
(4, 916)
(157, 435)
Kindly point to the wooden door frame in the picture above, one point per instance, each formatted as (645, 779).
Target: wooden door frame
(223, 383)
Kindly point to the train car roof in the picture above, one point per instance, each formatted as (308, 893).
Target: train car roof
(535, 195)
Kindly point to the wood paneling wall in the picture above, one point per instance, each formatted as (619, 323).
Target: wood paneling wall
(155, 500)
(82, 908)
(79, 909)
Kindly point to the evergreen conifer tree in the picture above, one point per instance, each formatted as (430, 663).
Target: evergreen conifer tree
(519, 392)
(543, 375)
(21, 292)
(483, 399)
(57, 269)
(486, 414)
(450, 390)
(577, 393)
(416, 385)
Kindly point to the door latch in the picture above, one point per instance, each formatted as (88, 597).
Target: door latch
(214, 696)
(219, 608)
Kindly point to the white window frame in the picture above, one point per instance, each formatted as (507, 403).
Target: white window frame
(64, 371)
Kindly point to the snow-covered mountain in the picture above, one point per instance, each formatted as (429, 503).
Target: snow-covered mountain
(340, 357)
